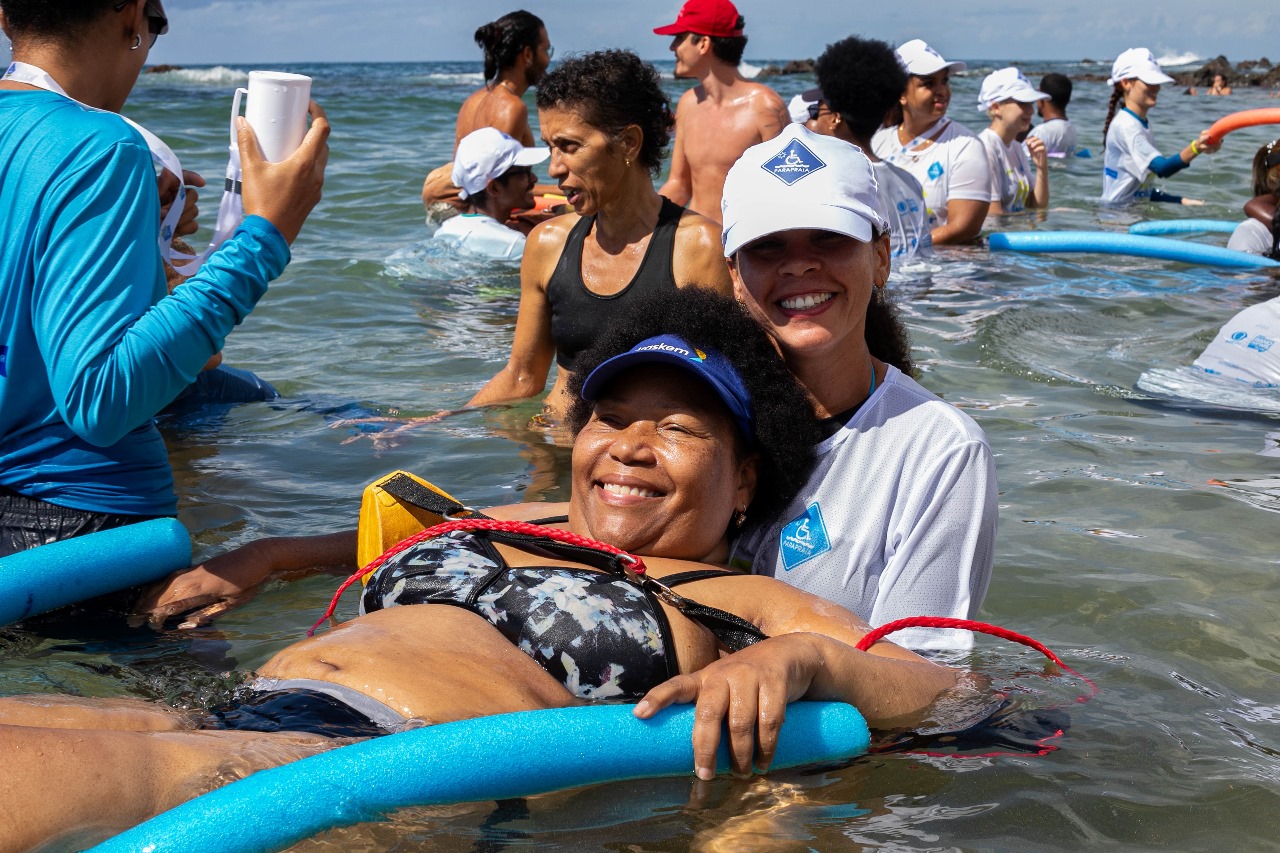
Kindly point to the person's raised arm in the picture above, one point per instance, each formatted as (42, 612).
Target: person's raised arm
(533, 348)
(284, 193)
(1039, 156)
(679, 185)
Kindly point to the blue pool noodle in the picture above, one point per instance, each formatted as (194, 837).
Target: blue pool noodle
(1183, 226)
(1112, 243)
(60, 573)
(488, 758)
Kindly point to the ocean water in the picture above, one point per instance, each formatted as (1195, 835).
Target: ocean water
(1137, 531)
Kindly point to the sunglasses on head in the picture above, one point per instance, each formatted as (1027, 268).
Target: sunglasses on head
(1273, 155)
(157, 21)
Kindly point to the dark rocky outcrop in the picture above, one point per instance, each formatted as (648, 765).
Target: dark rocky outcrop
(161, 69)
(795, 66)
(1253, 72)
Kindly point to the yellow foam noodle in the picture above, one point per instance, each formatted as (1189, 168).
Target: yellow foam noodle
(389, 514)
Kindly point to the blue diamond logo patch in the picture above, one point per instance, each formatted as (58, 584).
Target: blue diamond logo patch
(804, 538)
(793, 163)
(935, 171)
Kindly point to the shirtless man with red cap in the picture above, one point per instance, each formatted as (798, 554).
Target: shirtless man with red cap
(725, 114)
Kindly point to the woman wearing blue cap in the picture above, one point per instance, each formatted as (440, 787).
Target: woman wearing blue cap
(900, 515)
(1132, 161)
(686, 419)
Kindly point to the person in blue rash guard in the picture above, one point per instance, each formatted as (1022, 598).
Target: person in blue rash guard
(91, 344)
(1132, 161)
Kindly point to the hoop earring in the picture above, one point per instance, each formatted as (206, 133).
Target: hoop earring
(137, 41)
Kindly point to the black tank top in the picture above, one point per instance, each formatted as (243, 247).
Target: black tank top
(577, 314)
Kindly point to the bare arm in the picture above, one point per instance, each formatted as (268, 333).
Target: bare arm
(699, 259)
(1039, 196)
(810, 656)
(679, 185)
(533, 348)
(229, 580)
(771, 115)
(964, 222)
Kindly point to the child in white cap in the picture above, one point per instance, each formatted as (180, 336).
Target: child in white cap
(944, 156)
(495, 173)
(900, 514)
(1132, 161)
(1007, 97)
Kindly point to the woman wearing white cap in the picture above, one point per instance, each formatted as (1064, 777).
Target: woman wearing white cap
(1007, 97)
(943, 155)
(900, 515)
(1132, 161)
(495, 173)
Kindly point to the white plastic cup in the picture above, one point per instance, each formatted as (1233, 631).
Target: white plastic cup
(276, 109)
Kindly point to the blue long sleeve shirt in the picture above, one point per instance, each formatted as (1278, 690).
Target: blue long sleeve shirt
(91, 345)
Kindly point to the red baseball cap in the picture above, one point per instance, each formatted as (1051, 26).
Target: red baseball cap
(705, 18)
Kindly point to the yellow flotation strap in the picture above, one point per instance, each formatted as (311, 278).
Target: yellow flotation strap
(398, 505)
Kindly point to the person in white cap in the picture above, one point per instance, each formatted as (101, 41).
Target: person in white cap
(1007, 97)
(495, 173)
(1132, 161)
(859, 82)
(944, 156)
(900, 515)
(800, 108)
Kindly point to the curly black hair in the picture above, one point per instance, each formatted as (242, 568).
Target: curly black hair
(56, 18)
(786, 426)
(503, 39)
(611, 90)
(861, 80)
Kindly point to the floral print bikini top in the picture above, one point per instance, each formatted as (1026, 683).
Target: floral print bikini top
(600, 633)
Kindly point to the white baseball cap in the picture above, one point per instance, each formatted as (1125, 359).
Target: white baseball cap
(800, 179)
(1007, 84)
(921, 60)
(1138, 62)
(798, 107)
(486, 154)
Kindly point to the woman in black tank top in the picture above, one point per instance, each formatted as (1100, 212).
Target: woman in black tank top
(608, 123)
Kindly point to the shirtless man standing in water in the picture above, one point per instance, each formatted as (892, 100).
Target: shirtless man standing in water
(517, 52)
(724, 115)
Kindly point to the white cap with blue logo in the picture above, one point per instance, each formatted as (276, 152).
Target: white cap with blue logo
(800, 179)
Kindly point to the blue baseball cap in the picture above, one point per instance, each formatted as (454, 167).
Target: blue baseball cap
(708, 365)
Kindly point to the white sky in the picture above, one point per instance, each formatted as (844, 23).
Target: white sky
(245, 31)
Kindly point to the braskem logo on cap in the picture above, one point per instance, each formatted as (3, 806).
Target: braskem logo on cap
(793, 163)
(664, 347)
(804, 538)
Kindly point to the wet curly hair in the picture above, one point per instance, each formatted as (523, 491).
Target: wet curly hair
(861, 79)
(786, 427)
(611, 90)
(52, 18)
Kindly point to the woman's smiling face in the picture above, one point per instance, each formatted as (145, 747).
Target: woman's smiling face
(656, 469)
